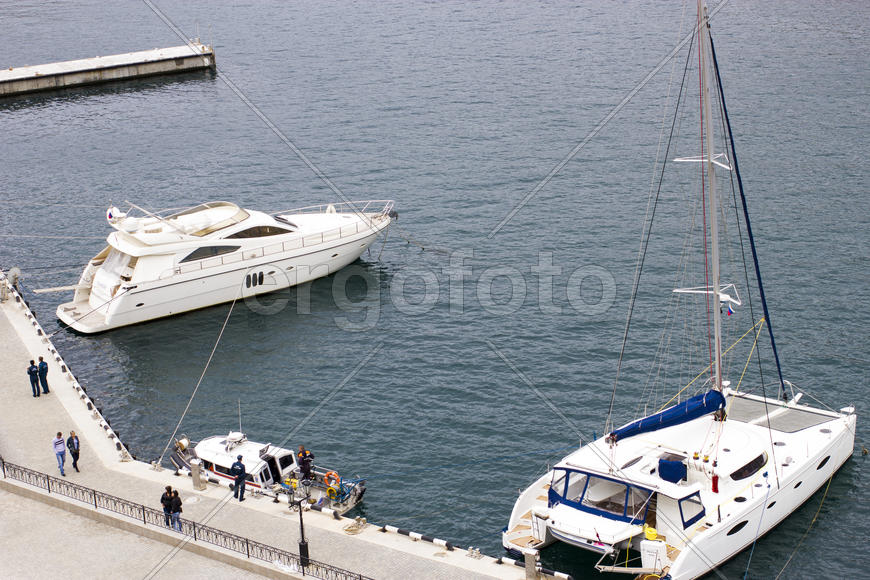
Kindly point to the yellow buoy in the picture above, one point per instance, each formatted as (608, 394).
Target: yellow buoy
(650, 533)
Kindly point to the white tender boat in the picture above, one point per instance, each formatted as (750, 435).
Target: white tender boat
(272, 471)
(686, 488)
(156, 266)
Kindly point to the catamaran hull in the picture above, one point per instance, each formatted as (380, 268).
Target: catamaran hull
(156, 299)
(763, 514)
(748, 513)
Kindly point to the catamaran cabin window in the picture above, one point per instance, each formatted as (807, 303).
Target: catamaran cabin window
(557, 487)
(259, 232)
(576, 486)
(208, 252)
(600, 495)
(691, 509)
(750, 468)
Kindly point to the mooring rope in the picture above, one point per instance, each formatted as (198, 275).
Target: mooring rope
(201, 377)
(808, 529)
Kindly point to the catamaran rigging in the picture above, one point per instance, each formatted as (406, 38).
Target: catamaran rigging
(695, 483)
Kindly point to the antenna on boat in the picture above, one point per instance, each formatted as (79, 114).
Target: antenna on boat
(240, 416)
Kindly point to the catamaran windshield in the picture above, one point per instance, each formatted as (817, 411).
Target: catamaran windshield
(602, 496)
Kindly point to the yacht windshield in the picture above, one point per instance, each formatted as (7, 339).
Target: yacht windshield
(603, 496)
(207, 218)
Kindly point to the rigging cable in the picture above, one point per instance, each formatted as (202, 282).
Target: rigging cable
(202, 376)
(757, 530)
(730, 136)
(746, 219)
(641, 258)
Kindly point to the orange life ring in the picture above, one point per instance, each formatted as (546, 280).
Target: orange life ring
(331, 478)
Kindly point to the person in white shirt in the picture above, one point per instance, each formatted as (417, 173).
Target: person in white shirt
(60, 451)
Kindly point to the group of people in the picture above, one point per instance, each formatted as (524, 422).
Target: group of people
(171, 508)
(60, 447)
(38, 377)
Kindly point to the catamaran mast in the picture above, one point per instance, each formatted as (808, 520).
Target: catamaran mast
(706, 83)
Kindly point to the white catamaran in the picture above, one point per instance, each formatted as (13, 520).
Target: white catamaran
(156, 266)
(694, 484)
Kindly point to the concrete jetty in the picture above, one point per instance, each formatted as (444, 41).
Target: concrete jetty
(149, 549)
(101, 69)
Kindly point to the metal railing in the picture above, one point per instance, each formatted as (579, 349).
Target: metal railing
(189, 528)
(293, 244)
(343, 207)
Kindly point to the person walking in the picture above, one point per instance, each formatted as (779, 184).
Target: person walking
(33, 373)
(305, 457)
(72, 443)
(175, 508)
(60, 451)
(43, 375)
(238, 471)
(166, 502)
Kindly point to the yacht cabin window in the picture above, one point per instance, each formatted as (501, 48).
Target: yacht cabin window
(259, 232)
(208, 252)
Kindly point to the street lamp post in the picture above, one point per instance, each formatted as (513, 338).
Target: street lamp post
(303, 543)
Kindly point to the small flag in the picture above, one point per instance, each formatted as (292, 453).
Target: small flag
(730, 312)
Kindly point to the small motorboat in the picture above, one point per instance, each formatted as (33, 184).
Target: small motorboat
(272, 471)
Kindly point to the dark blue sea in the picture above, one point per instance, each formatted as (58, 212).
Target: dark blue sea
(433, 365)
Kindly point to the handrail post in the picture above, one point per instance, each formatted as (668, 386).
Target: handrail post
(247, 547)
(3, 463)
(143, 516)
(48, 483)
(194, 531)
(94, 492)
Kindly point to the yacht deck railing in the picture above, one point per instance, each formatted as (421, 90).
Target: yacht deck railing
(293, 244)
(357, 207)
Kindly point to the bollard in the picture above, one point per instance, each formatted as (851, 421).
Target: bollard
(531, 560)
(196, 474)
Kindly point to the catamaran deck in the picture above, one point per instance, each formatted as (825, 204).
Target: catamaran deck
(785, 419)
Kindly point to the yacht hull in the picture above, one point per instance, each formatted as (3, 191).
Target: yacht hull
(184, 292)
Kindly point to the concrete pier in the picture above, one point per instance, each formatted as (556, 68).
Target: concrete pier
(27, 427)
(101, 69)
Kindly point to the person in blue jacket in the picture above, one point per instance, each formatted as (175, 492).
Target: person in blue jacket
(33, 373)
(43, 375)
(237, 470)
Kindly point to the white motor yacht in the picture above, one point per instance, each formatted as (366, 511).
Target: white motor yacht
(156, 265)
(688, 487)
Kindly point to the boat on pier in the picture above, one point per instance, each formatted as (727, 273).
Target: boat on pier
(273, 471)
(159, 265)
